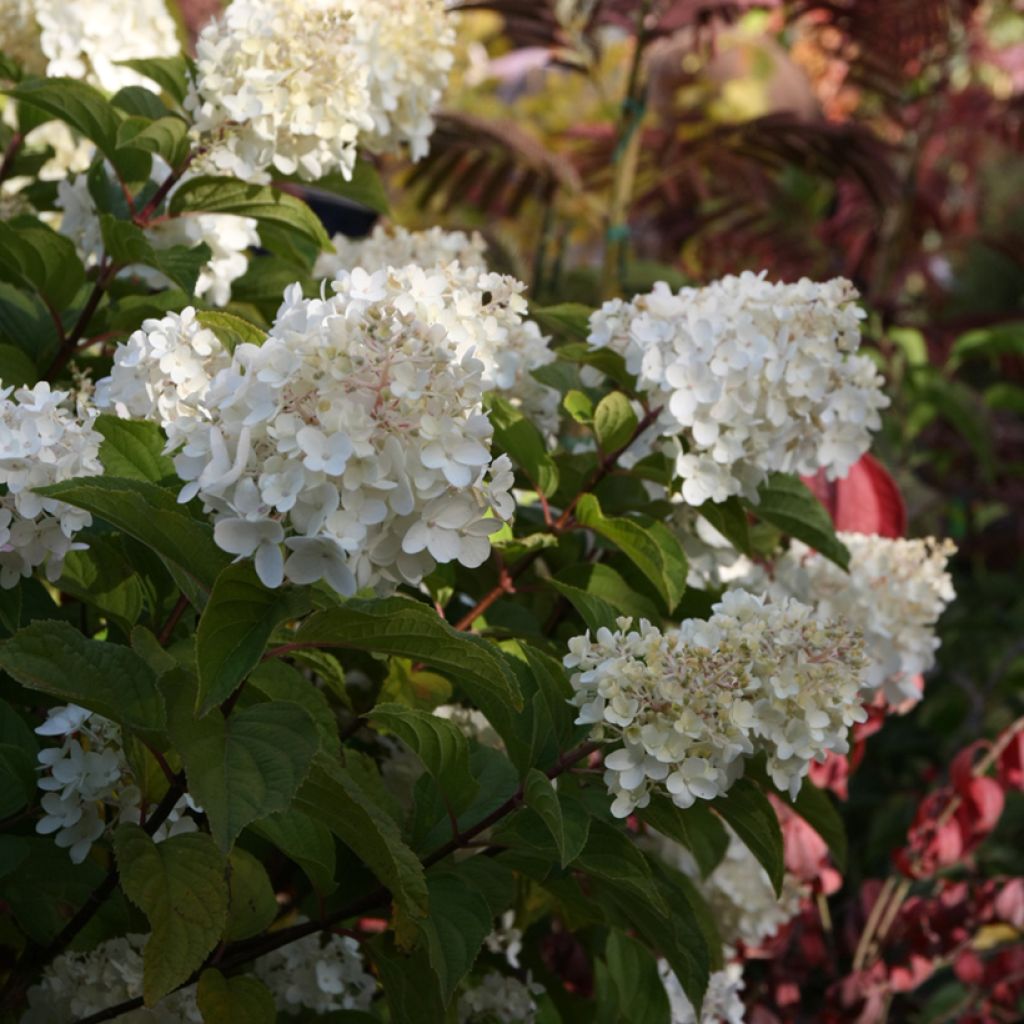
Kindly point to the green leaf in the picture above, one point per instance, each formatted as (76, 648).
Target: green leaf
(566, 320)
(236, 624)
(411, 629)
(152, 516)
(614, 422)
(438, 743)
(610, 363)
(79, 105)
(411, 687)
(331, 796)
(603, 582)
(246, 766)
(138, 101)
(307, 842)
(241, 1000)
(566, 820)
(16, 367)
(252, 905)
(611, 855)
(411, 985)
(648, 544)
(17, 779)
(579, 406)
(103, 577)
(277, 680)
(179, 885)
(170, 73)
(516, 435)
(753, 819)
(52, 657)
(365, 188)
(128, 245)
(133, 449)
(36, 257)
(595, 611)
(786, 502)
(729, 518)
(634, 971)
(460, 919)
(694, 827)
(166, 136)
(268, 206)
(230, 329)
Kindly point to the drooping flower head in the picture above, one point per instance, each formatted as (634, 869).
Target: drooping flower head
(754, 377)
(689, 704)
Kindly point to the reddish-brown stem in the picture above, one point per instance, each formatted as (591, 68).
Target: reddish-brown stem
(144, 215)
(10, 153)
(167, 630)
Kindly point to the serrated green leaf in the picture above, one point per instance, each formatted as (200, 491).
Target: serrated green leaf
(602, 581)
(634, 971)
(240, 1000)
(610, 854)
(133, 449)
(411, 985)
(170, 73)
(410, 629)
(753, 819)
(694, 827)
(307, 842)
(52, 657)
(278, 680)
(79, 105)
(243, 767)
(152, 516)
(614, 422)
(166, 136)
(522, 441)
(205, 194)
(594, 610)
(139, 101)
(438, 743)
(235, 626)
(566, 320)
(180, 886)
(103, 577)
(252, 905)
(460, 919)
(729, 518)
(230, 329)
(36, 257)
(786, 502)
(566, 820)
(650, 545)
(331, 796)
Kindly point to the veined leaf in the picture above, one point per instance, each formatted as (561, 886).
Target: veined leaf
(133, 449)
(566, 820)
(239, 1000)
(786, 502)
(516, 435)
(696, 828)
(754, 820)
(614, 422)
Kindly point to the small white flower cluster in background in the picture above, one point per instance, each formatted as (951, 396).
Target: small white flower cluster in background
(85, 39)
(894, 593)
(228, 236)
(77, 985)
(472, 723)
(42, 441)
(308, 974)
(753, 377)
(299, 85)
(398, 247)
(723, 1003)
(689, 704)
(483, 315)
(311, 974)
(353, 436)
(499, 999)
(506, 940)
(738, 890)
(88, 779)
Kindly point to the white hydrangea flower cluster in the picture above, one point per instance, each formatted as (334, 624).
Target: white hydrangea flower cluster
(738, 890)
(499, 999)
(85, 39)
(88, 779)
(228, 235)
(354, 437)
(311, 974)
(506, 940)
(482, 313)
(723, 1003)
(162, 372)
(753, 377)
(298, 85)
(77, 985)
(691, 703)
(894, 594)
(398, 247)
(42, 441)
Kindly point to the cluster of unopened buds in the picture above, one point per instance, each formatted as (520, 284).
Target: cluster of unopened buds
(691, 703)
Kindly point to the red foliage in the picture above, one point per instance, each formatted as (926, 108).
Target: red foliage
(866, 501)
